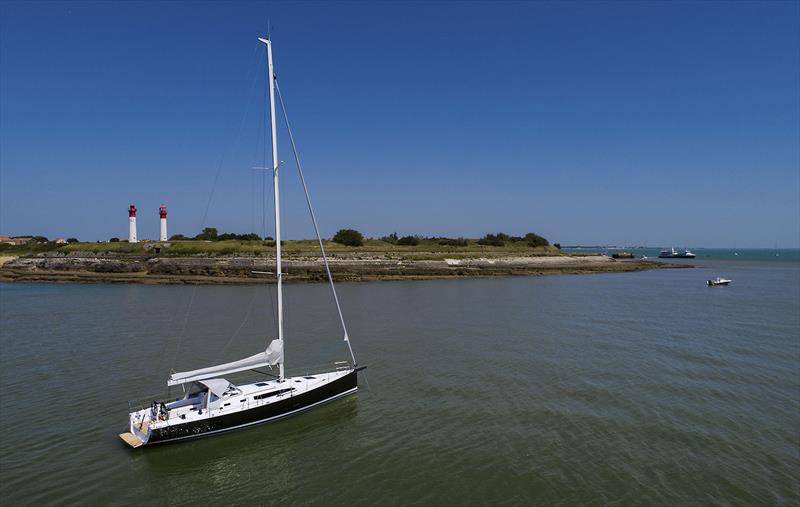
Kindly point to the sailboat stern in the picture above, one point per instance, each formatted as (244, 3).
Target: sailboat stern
(139, 429)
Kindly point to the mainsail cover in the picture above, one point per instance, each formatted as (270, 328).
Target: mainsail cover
(273, 355)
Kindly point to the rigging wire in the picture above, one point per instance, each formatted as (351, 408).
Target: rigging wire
(183, 328)
(246, 318)
(259, 205)
(314, 221)
(215, 182)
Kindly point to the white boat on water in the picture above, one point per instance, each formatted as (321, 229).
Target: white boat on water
(718, 281)
(675, 254)
(212, 404)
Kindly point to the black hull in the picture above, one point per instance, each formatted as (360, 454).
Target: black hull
(255, 416)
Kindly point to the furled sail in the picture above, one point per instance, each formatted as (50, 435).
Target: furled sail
(273, 355)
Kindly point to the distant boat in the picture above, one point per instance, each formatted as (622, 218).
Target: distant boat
(675, 254)
(718, 281)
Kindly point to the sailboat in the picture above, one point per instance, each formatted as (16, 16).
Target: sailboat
(211, 404)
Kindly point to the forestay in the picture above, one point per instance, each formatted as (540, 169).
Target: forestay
(273, 355)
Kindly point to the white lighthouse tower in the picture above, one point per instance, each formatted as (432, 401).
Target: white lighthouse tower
(162, 213)
(132, 224)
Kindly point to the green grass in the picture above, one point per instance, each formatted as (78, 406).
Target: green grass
(116, 247)
(26, 249)
(427, 249)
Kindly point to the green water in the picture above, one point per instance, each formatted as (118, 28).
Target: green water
(634, 388)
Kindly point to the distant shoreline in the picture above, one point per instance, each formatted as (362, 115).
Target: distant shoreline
(88, 267)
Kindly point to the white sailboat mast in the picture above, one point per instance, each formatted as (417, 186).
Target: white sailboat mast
(278, 267)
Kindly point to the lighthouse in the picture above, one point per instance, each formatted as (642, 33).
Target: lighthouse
(132, 224)
(162, 214)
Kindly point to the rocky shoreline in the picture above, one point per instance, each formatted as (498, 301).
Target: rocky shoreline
(84, 267)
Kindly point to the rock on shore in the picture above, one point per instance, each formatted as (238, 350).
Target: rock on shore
(91, 267)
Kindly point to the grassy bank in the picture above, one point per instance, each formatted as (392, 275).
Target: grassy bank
(290, 247)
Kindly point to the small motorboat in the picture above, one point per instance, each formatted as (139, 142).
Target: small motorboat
(718, 281)
(675, 254)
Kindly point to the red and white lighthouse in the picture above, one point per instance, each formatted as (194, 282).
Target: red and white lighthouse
(162, 214)
(132, 224)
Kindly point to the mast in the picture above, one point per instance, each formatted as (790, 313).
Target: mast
(278, 268)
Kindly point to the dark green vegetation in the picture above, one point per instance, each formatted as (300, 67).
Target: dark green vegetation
(345, 240)
(211, 234)
(408, 241)
(452, 242)
(500, 239)
(31, 247)
(349, 237)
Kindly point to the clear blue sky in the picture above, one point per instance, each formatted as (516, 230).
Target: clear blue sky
(660, 123)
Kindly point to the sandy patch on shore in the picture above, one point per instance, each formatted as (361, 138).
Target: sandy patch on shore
(533, 261)
(6, 258)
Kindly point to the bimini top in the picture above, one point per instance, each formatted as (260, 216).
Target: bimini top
(216, 386)
(273, 355)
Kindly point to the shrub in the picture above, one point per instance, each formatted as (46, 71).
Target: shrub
(557, 245)
(178, 237)
(114, 240)
(72, 240)
(208, 234)
(452, 242)
(39, 239)
(408, 241)
(391, 238)
(349, 237)
(240, 237)
(493, 240)
(535, 240)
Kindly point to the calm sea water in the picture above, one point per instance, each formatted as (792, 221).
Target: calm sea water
(636, 388)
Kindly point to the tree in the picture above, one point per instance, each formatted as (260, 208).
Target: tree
(240, 237)
(535, 240)
(391, 238)
(208, 234)
(452, 242)
(39, 239)
(493, 240)
(349, 237)
(114, 240)
(72, 240)
(178, 237)
(408, 241)
(557, 245)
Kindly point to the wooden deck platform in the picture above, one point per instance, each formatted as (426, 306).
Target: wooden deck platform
(131, 439)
